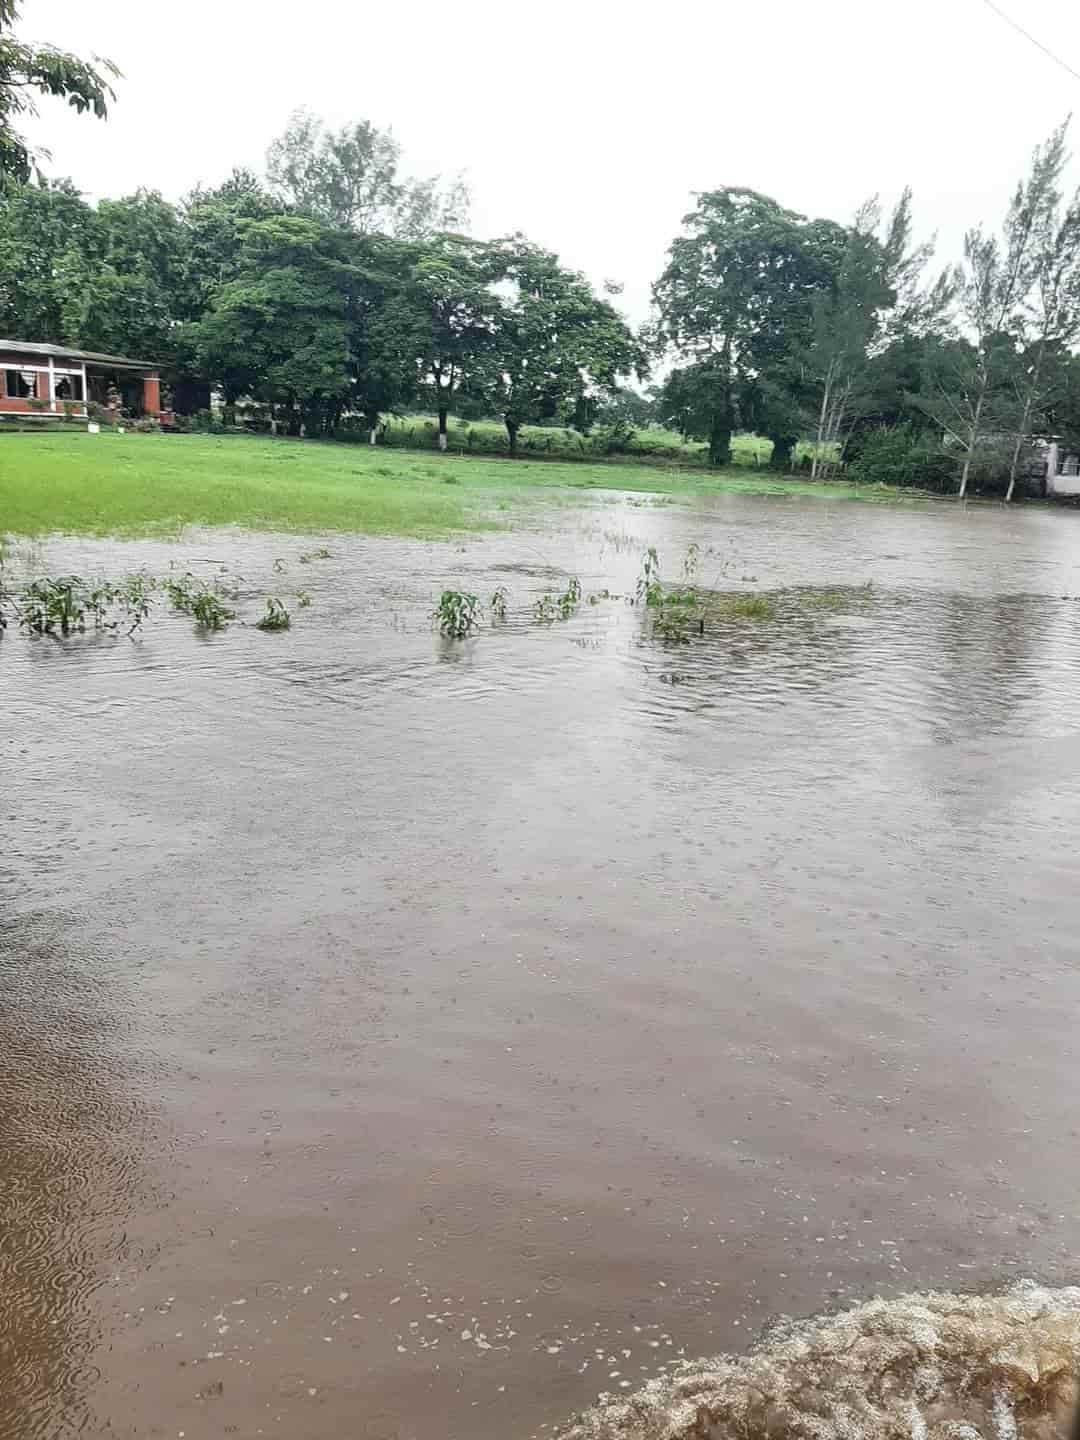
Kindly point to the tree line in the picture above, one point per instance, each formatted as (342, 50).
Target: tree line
(336, 288)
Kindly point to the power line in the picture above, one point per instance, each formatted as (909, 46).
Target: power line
(1028, 36)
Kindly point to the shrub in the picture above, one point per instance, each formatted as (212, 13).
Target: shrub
(276, 617)
(192, 597)
(457, 614)
(898, 456)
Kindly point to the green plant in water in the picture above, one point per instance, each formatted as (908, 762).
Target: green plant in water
(280, 566)
(48, 606)
(544, 610)
(209, 613)
(685, 596)
(649, 590)
(134, 593)
(570, 599)
(672, 626)
(303, 599)
(276, 617)
(690, 563)
(321, 554)
(748, 607)
(457, 613)
(497, 603)
(192, 597)
(181, 591)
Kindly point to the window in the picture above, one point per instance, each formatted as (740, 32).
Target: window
(69, 387)
(20, 383)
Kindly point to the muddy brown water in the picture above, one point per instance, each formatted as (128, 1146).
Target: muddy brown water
(406, 1038)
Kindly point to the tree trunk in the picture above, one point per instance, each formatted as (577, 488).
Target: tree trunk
(442, 427)
(973, 440)
(1029, 401)
(819, 439)
(783, 447)
(720, 438)
(512, 428)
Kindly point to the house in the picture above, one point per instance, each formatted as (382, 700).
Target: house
(51, 379)
(1062, 471)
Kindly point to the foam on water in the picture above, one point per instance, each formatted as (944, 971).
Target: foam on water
(932, 1366)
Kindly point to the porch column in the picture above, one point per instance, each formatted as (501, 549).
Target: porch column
(52, 383)
(41, 385)
(151, 394)
(1053, 465)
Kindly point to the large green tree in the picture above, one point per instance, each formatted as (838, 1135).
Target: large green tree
(451, 288)
(133, 292)
(556, 343)
(733, 303)
(278, 330)
(28, 70)
(47, 235)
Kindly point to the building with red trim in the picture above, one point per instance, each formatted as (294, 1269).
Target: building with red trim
(51, 379)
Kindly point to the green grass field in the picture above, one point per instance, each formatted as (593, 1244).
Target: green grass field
(137, 484)
(649, 446)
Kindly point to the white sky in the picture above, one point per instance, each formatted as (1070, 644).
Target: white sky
(588, 124)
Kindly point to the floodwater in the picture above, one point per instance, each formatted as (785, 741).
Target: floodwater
(412, 1038)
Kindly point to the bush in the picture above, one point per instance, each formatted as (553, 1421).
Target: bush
(898, 455)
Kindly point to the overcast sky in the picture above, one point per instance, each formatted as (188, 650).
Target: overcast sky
(587, 124)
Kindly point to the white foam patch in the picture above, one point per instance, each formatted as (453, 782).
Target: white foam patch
(930, 1366)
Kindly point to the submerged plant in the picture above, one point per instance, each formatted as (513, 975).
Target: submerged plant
(497, 603)
(134, 593)
(276, 617)
(649, 590)
(321, 554)
(745, 607)
(570, 599)
(209, 613)
(457, 614)
(48, 606)
(192, 597)
(303, 599)
(544, 609)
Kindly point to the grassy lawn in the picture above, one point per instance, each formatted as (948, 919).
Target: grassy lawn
(130, 484)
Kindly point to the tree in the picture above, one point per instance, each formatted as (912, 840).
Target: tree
(877, 298)
(451, 287)
(973, 395)
(45, 227)
(279, 330)
(129, 290)
(214, 221)
(696, 401)
(555, 342)
(733, 302)
(1050, 317)
(349, 177)
(26, 69)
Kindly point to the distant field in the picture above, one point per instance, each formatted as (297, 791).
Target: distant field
(128, 484)
(487, 437)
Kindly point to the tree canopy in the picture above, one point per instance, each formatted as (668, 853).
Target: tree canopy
(28, 70)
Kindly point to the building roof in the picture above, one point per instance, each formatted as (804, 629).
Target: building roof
(61, 352)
